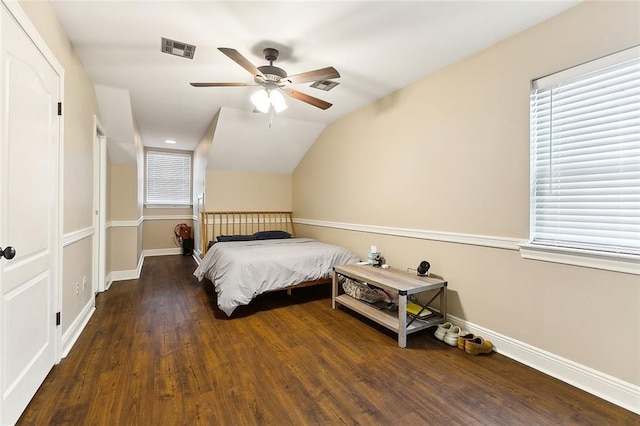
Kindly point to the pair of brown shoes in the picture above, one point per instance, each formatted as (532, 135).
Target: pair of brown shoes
(474, 345)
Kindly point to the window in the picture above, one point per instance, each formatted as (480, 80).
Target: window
(585, 157)
(168, 178)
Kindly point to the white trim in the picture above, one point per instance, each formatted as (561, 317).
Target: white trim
(125, 223)
(75, 329)
(609, 388)
(168, 206)
(21, 17)
(587, 67)
(134, 274)
(135, 223)
(169, 217)
(608, 261)
(162, 252)
(450, 237)
(100, 206)
(75, 236)
(130, 274)
(108, 281)
(599, 260)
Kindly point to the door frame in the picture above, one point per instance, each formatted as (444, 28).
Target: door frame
(100, 206)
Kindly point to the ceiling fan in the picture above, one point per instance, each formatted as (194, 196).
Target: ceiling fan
(275, 80)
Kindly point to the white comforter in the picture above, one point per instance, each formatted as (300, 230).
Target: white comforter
(244, 269)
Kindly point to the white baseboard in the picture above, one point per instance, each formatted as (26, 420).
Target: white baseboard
(108, 281)
(134, 274)
(163, 252)
(131, 274)
(609, 388)
(75, 329)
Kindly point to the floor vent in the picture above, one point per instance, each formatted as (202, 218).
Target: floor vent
(178, 48)
(325, 85)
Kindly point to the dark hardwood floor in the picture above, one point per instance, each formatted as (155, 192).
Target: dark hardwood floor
(157, 351)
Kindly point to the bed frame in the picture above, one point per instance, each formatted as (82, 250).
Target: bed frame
(245, 223)
(242, 223)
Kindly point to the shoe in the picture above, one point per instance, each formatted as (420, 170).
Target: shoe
(451, 338)
(462, 339)
(442, 329)
(478, 346)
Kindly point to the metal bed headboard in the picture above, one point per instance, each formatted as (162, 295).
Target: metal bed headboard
(214, 223)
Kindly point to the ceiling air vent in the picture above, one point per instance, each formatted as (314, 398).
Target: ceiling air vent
(178, 48)
(325, 85)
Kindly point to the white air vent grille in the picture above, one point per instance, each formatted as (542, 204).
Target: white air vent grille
(325, 85)
(178, 48)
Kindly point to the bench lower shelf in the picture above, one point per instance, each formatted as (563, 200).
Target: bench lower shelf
(385, 318)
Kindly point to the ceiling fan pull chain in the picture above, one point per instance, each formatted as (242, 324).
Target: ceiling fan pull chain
(271, 110)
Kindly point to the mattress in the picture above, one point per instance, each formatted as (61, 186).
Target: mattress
(241, 270)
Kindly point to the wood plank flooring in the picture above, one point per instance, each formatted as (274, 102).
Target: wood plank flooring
(157, 351)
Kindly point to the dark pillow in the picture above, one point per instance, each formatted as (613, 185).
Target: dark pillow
(224, 238)
(271, 235)
(211, 243)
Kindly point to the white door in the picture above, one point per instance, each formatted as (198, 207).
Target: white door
(100, 206)
(29, 133)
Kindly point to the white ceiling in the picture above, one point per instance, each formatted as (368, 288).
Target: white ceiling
(378, 47)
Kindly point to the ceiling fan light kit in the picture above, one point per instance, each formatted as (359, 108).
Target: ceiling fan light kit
(264, 101)
(275, 82)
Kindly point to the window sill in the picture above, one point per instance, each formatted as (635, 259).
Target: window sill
(168, 206)
(626, 263)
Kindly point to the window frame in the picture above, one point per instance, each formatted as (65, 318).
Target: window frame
(586, 257)
(180, 153)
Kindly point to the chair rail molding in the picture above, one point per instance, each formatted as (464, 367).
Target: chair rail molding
(450, 237)
(79, 235)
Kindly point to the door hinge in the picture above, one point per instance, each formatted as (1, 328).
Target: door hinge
(59, 108)
(57, 318)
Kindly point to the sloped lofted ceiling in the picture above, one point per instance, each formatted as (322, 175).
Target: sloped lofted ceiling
(377, 46)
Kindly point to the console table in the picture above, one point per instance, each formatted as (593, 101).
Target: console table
(392, 280)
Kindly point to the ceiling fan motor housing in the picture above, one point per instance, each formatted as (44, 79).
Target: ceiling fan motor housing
(273, 73)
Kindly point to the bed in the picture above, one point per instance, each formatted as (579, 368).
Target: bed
(258, 252)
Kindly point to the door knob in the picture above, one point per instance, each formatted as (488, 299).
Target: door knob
(8, 253)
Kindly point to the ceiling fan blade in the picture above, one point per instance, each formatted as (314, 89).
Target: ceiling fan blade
(241, 60)
(221, 84)
(316, 75)
(319, 103)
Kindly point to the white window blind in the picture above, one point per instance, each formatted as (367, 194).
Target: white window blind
(168, 178)
(585, 154)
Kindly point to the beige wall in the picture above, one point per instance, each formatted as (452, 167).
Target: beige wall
(159, 225)
(79, 107)
(227, 190)
(450, 153)
(123, 192)
(122, 248)
(77, 268)
(123, 231)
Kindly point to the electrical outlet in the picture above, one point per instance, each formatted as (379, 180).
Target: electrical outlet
(77, 288)
(84, 282)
